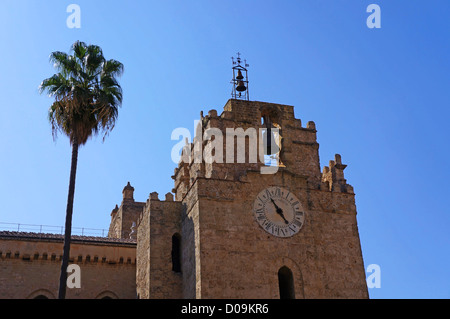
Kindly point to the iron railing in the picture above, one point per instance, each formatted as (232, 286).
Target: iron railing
(47, 229)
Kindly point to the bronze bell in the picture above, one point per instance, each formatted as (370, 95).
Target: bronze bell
(270, 144)
(241, 87)
(239, 76)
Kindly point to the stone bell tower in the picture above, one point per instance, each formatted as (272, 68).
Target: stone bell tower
(253, 214)
(234, 230)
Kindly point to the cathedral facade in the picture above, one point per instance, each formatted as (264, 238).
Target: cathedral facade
(231, 227)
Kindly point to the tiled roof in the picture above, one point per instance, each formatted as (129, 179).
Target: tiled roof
(60, 238)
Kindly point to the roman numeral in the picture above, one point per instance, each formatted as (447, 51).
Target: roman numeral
(261, 217)
(277, 192)
(298, 223)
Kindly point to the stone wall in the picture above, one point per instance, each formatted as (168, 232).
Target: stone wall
(238, 259)
(159, 221)
(30, 266)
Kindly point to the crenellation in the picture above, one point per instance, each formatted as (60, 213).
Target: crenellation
(212, 113)
(154, 196)
(169, 197)
(311, 125)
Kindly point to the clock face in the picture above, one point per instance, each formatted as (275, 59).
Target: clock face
(279, 212)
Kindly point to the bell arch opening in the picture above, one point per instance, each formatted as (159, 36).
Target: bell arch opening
(271, 139)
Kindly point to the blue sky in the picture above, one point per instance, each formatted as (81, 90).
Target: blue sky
(379, 97)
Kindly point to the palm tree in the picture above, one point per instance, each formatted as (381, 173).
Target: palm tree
(87, 97)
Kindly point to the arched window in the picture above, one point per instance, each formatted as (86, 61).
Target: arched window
(41, 294)
(176, 253)
(107, 295)
(286, 283)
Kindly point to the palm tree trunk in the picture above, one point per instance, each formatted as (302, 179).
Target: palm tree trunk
(68, 228)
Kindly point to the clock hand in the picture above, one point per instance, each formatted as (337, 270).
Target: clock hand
(279, 211)
(275, 204)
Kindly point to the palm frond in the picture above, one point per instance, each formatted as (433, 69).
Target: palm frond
(86, 92)
(79, 49)
(112, 68)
